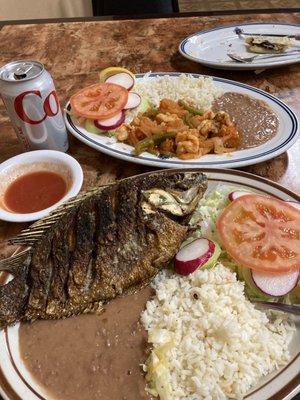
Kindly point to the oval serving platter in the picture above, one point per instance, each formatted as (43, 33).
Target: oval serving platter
(210, 47)
(286, 136)
(16, 383)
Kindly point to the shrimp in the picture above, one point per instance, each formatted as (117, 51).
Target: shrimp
(186, 143)
(197, 119)
(168, 146)
(208, 126)
(223, 118)
(219, 146)
(166, 117)
(147, 126)
(122, 133)
(172, 107)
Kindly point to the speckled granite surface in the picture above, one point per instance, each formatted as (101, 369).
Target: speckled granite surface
(74, 52)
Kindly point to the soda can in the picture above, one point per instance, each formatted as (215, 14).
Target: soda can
(31, 102)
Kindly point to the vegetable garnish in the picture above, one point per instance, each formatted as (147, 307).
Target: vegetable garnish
(261, 233)
(200, 253)
(111, 123)
(275, 284)
(134, 100)
(99, 101)
(143, 145)
(190, 109)
(107, 72)
(123, 79)
(236, 194)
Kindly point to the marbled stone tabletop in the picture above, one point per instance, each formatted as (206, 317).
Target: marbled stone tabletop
(74, 52)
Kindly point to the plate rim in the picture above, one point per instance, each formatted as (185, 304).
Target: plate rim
(219, 65)
(292, 388)
(169, 163)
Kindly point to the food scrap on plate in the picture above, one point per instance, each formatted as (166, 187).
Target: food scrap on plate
(268, 44)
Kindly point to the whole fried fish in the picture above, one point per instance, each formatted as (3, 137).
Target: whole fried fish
(102, 244)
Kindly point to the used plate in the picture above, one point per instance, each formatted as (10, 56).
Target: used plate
(16, 382)
(285, 137)
(210, 47)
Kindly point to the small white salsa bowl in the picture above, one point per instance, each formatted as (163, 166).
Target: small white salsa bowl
(33, 161)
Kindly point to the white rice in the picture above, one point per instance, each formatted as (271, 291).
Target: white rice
(209, 342)
(198, 92)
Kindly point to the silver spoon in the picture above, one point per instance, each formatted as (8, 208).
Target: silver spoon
(249, 59)
(279, 307)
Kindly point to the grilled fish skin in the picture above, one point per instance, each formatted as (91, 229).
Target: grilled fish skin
(105, 243)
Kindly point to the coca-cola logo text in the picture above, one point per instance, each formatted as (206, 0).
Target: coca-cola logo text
(48, 112)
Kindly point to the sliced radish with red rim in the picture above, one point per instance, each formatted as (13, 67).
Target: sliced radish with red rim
(134, 100)
(275, 284)
(111, 123)
(122, 79)
(199, 253)
(236, 194)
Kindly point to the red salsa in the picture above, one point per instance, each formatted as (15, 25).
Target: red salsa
(34, 192)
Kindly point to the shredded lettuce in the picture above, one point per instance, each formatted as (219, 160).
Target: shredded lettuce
(203, 220)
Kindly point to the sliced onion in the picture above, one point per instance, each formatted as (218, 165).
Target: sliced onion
(111, 123)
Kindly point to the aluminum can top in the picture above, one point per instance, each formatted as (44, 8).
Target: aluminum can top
(22, 70)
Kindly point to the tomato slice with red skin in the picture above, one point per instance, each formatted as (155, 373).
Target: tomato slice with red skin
(100, 101)
(261, 233)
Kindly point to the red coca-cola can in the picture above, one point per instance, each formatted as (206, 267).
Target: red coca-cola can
(29, 96)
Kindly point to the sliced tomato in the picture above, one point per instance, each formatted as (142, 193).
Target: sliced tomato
(261, 233)
(99, 101)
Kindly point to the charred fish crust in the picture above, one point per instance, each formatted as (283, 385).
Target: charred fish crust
(61, 254)
(187, 180)
(14, 293)
(84, 235)
(98, 246)
(171, 180)
(39, 279)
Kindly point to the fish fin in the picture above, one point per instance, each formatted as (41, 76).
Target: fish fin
(29, 236)
(13, 263)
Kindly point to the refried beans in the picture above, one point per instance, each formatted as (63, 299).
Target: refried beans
(255, 121)
(90, 357)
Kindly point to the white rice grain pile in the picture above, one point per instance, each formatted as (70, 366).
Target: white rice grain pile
(199, 92)
(209, 342)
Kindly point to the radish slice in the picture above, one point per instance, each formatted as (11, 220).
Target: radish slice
(134, 100)
(110, 123)
(199, 253)
(235, 195)
(122, 79)
(294, 203)
(275, 284)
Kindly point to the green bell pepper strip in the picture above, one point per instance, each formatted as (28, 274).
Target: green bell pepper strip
(151, 141)
(190, 109)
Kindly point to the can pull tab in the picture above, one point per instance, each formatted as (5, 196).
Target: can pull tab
(21, 72)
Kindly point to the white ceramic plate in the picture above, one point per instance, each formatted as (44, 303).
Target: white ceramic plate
(285, 137)
(16, 382)
(210, 47)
